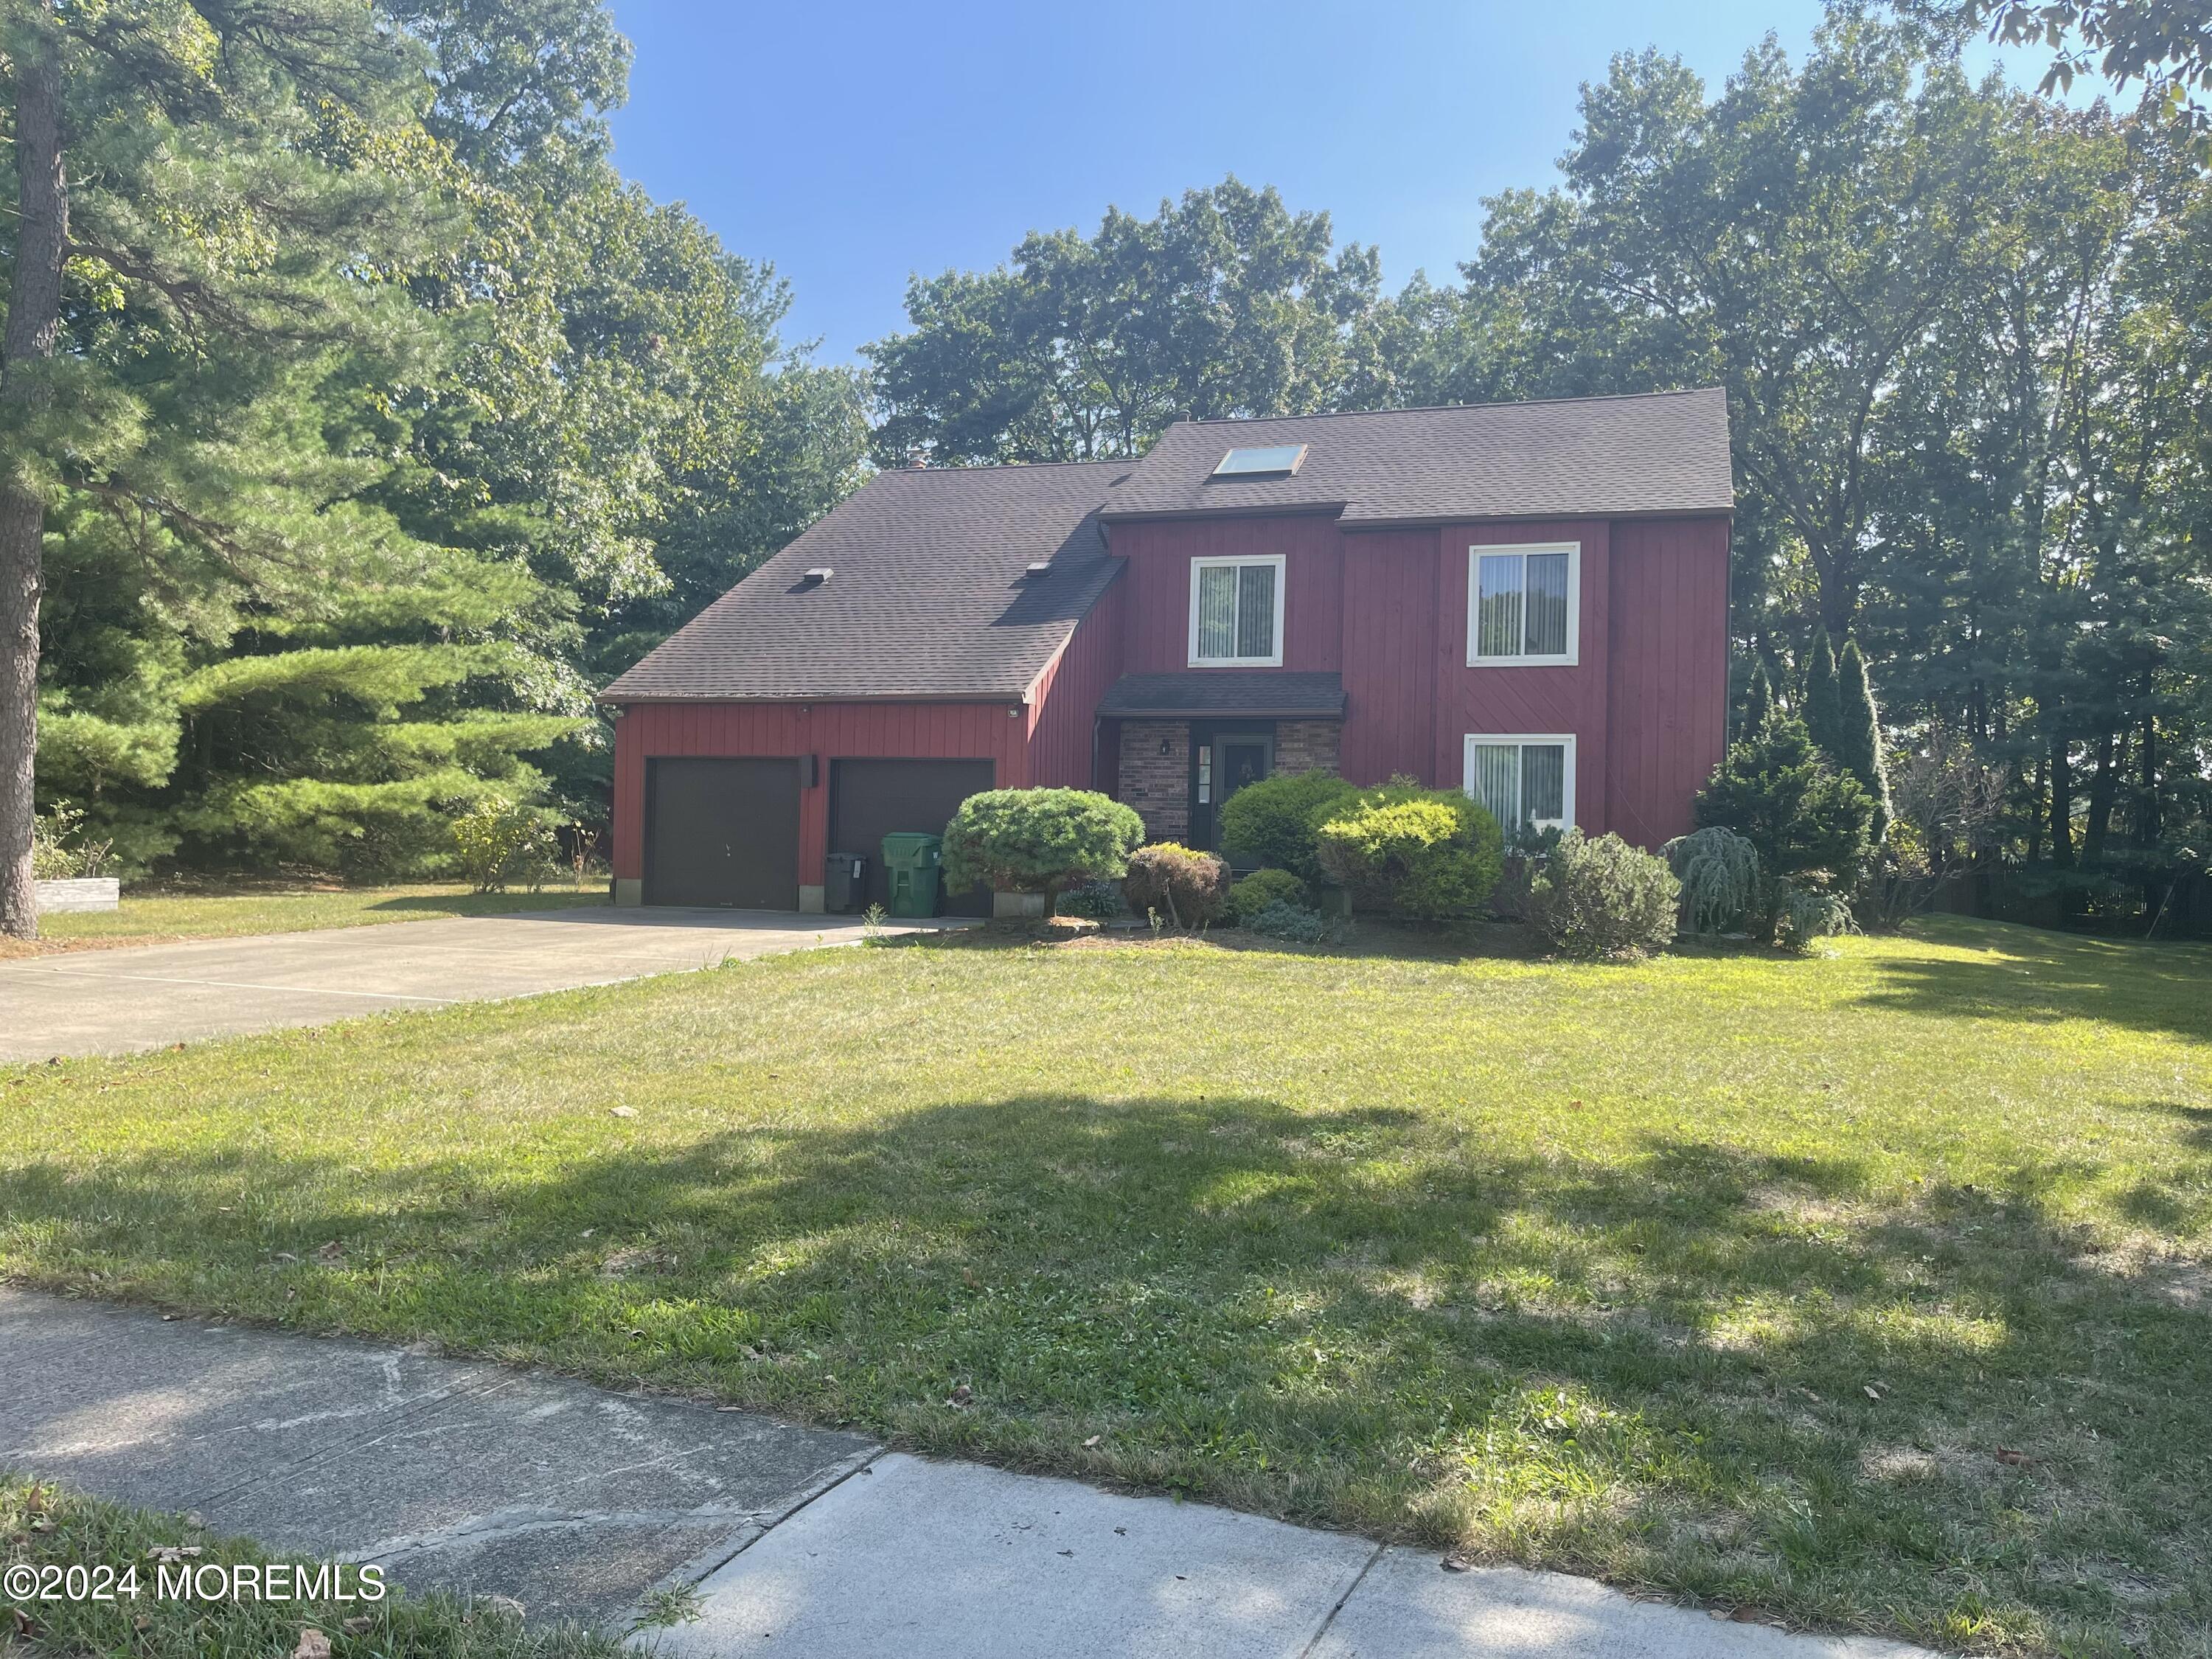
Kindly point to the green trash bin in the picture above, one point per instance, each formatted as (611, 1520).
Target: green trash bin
(913, 862)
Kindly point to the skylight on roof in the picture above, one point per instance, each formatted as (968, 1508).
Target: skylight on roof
(1258, 463)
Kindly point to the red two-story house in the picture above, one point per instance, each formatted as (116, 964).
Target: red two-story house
(1525, 600)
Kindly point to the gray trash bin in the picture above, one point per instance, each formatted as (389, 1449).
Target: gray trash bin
(846, 882)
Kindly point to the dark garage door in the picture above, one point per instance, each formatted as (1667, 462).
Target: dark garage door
(870, 798)
(722, 832)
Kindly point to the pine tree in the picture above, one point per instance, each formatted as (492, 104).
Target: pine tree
(1807, 821)
(164, 148)
(1823, 705)
(1859, 734)
(1758, 700)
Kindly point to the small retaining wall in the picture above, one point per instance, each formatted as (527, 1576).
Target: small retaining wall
(81, 893)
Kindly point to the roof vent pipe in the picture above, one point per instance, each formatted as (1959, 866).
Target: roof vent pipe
(820, 573)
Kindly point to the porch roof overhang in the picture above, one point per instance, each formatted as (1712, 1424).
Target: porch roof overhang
(1198, 693)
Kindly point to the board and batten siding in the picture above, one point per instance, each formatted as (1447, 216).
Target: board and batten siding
(1064, 701)
(1390, 635)
(1563, 698)
(997, 731)
(1666, 682)
(1158, 555)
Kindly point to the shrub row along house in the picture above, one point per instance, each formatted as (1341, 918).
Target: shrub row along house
(1526, 600)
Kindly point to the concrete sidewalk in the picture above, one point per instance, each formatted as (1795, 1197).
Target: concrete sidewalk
(805, 1544)
(133, 997)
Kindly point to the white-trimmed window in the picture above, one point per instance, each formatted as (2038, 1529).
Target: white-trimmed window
(1523, 604)
(1237, 612)
(1523, 778)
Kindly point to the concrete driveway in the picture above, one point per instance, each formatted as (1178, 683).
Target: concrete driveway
(89, 1002)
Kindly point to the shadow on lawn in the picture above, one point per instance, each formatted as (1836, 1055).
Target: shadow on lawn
(1664, 1365)
(488, 904)
(2039, 975)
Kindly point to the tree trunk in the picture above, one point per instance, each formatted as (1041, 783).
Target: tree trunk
(2062, 805)
(2036, 814)
(33, 322)
(2149, 823)
(2157, 888)
(2104, 789)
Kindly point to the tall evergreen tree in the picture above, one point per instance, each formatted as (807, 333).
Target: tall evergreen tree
(1859, 744)
(1758, 698)
(1822, 699)
(208, 199)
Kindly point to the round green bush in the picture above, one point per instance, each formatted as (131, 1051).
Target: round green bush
(1261, 888)
(1186, 887)
(1605, 898)
(1038, 841)
(1273, 822)
(1430, 855)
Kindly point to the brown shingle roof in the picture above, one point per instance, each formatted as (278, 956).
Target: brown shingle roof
(929, 598)
(1595, 457)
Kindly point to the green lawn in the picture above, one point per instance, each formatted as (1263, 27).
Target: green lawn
(155, 913)
(1866, 1290)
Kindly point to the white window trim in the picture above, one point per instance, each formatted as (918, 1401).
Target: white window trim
(1570, 656)
(1281, 583)
(1566, 788)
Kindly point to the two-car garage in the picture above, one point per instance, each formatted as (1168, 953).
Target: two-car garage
(723, 832)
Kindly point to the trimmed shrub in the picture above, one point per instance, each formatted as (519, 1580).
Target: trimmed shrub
(1293, 923)
(1093, 901)
(1430, 855)
(1719, 872)
(1604, 898)
(1807, 821)
(1261, 888)
(1187, 887)
(1272, 822)
(1038, 841)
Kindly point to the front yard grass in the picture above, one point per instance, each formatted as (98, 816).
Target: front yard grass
(1864, 1291)
(155, 913)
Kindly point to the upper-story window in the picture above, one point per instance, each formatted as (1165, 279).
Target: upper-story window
(1523, 603)
(1237, 612)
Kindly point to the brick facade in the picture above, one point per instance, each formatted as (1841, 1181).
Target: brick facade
(1157, 785)
(1309, 745)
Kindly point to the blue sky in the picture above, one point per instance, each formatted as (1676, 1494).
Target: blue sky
(853, 144)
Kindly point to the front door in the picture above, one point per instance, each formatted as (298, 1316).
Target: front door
(1223, 759)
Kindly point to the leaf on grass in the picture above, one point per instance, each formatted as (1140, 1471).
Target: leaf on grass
(359, 1623)
(2019, 1459)
(1872, 1392)
(622, 1111)
(333, 1251)
(314, 1645)
(962, 1395)
(1094, 1440)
